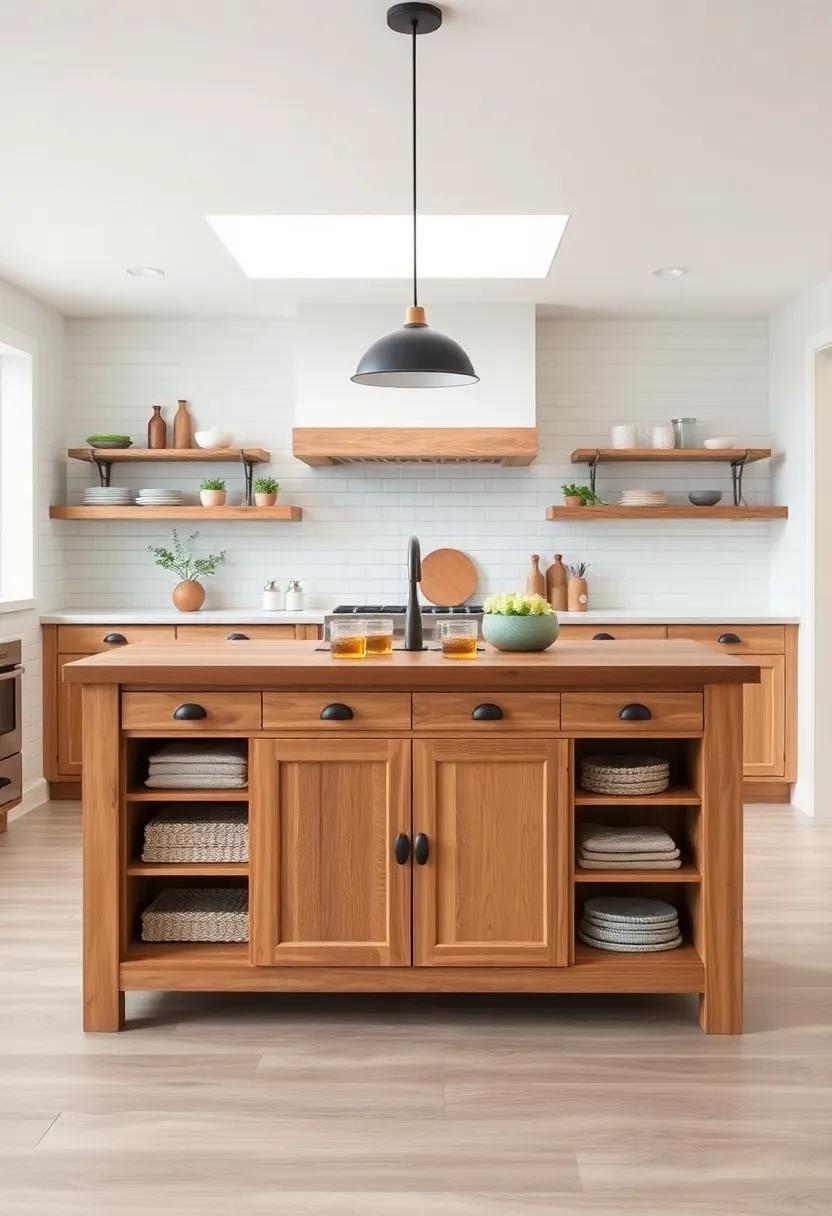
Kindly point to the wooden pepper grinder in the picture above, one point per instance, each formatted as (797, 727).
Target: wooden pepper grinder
(157, 429)
(556, 579)
(535, 580)
(183, 427)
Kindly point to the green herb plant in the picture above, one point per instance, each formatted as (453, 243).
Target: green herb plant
(589, 497)
(266, 485)
(212, 483)
(579, 569)
(180, 560)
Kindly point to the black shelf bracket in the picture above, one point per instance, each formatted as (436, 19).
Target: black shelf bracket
(593, 469)
(737, 469)
(105, 468)
(248, 473)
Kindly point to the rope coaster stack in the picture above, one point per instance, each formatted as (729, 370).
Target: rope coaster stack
(627, 848)
(629, 924)
(624, 774)
(207, 764)
(218, 833)
(197, 914)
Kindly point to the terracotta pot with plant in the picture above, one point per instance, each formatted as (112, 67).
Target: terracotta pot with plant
(580, 496)
(212, 492)
(188, 594)
(266, 490)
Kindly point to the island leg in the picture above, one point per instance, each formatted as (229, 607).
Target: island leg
(103, 1002)
(719, 918)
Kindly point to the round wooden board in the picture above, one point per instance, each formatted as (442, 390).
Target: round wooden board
(449, 577)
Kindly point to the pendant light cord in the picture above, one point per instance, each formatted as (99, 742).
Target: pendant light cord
(413, 99)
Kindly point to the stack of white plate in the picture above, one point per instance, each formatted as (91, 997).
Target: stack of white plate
(643, 498)
(107, 496)
(159, 498)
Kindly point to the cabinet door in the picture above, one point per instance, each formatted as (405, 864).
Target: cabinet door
(764, 719)
(494, 888)
(68, 700)
(325, 886)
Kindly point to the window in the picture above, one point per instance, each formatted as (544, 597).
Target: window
(17, 496)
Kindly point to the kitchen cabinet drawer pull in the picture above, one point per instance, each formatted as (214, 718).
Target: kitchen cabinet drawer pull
(402, 848)
(238, 637)
(190, 712)
(4, 781)
(634, 713)
(115, 639)
(729, 639)
(603, 637)
(336, 713)
(421, 848)
(486, 713)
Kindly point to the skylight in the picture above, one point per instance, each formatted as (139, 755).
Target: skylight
(379, 246)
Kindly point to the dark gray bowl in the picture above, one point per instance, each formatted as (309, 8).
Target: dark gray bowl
(705, 498)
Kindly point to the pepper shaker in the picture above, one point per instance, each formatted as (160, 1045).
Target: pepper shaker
(272, 596)
(294, 596)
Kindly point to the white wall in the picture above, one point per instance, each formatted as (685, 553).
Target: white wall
(29, 325)
(351, 543)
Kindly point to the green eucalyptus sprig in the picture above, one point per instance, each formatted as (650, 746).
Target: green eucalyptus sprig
(180, 560)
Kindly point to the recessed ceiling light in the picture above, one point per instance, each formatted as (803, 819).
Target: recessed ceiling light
(145, 272)
(378, 246)
(669, 272)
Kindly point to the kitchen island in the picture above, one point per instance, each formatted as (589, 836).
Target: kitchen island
(412, 819)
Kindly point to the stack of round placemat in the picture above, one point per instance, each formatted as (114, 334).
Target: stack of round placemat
(629, 924)
(624, 774)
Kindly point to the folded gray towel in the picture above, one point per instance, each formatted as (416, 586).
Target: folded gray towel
(221, 770)
(201, 751)
(196, 781)
(672, 864)
(630, 856)
(595, 838)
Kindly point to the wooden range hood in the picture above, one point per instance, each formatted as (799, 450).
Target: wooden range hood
(498, 445)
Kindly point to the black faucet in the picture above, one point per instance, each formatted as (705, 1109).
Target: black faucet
(413, 616)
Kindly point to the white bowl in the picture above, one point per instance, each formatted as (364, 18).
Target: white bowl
(720, 443)
(213, 438)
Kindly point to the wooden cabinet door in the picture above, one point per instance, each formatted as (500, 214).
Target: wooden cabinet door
(764, 719)
(68, 699)
(325, 886)
(494, 888)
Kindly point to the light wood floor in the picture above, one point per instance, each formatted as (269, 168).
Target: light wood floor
(416, 1106)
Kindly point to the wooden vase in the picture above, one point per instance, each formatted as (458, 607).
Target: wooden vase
(577, 595)
(183, 427)
(188, 596)
(556, 582)
(535, 580)
(157, 429)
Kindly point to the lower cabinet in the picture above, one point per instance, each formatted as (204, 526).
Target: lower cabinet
(68, 703)
(764, 719)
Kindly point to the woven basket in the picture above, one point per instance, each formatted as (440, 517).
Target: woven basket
(624, 774)
(209, 834)
(198, 914)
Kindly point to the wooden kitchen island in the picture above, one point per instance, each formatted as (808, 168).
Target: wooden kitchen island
(412, 818)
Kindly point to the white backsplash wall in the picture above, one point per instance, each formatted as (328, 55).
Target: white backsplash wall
(351, 543)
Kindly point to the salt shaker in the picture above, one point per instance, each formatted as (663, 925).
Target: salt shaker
(272, 596)
(294, 596)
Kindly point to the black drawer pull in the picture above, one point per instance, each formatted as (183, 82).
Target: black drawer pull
(729, 639)
(4, 781)
(238, 637)
(189, 712)
(421, 848)
(115, 639)
(603, 637)
(634, 713)
(402, 848)
(336, 713)
(486, 713)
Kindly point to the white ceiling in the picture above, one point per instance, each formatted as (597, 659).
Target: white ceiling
(673, 133)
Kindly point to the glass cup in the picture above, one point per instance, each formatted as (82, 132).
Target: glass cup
(379, 635)
(348, 638)
(458, 639)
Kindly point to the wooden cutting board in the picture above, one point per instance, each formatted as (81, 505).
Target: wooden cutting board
(449, 577)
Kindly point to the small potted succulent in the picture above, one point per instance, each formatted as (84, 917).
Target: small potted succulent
(514, 621)
(189, 593)
(266, 490)
(580, 496)
(212, 492)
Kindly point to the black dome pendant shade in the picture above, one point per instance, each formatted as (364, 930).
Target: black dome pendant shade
(415, 356)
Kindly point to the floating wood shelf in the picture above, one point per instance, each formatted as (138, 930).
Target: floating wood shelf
(686, 873)
(187, 869)
(171, 455)
(508, 446)
(192, 512)
(587, 514)
(674, 795)
(670, 455)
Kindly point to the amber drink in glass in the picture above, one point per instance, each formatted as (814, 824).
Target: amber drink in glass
(459, 639)
(379, 635)
(348, 639)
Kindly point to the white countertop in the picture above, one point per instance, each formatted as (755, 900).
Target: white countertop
(315, 616)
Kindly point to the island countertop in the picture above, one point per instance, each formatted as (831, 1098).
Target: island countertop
(676, 664)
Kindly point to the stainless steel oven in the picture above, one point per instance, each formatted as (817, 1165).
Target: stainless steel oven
(11, 680)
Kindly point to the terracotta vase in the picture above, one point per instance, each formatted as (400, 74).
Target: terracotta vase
(577, 594)
(157, 429)
(557, 579)
(188, 596)
(212, 498)
(265, 500)
(183, 427)
(572, 500)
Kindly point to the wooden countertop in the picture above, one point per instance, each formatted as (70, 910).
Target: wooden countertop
(299, 665)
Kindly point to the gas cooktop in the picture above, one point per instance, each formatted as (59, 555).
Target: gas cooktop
(400, 609)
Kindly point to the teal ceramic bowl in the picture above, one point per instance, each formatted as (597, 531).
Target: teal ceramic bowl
(520, 632)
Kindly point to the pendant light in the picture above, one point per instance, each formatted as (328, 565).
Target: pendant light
(415, 356)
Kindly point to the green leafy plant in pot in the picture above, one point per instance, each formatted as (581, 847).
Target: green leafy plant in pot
(514, 621)
(266, 490)
(189, 593)
(212, 492)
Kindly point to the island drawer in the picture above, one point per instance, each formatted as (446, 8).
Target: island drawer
(588, 633)
(632, 712)
(226, 633)
(336, 711)
(172, 712)
(92, 639)
(484, 711)
(739, 639)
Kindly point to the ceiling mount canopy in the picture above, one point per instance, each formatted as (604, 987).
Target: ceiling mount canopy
(415, 356)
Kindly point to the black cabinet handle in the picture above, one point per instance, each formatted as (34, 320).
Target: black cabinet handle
(189, 712)
(634, 713)
(421, 848)
(238, 637)
(336, 713)
(115, 639)
(402, 848)
(486, 713)
(4, 781)
(602, 637)
(729, 639)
